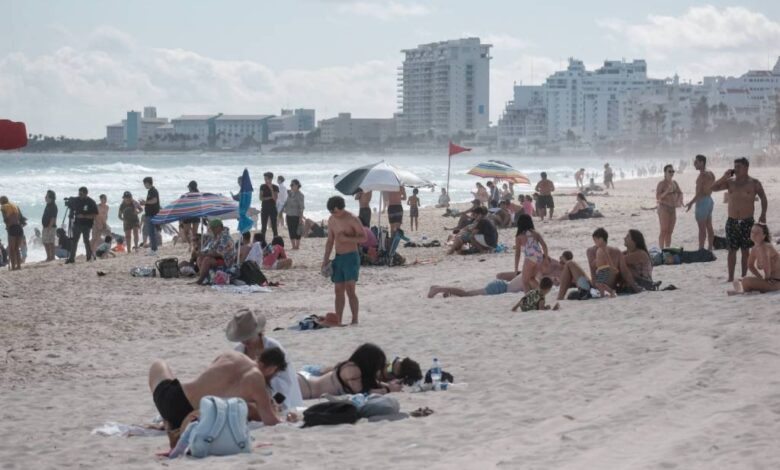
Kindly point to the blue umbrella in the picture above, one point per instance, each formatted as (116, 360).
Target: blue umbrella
(245, 200)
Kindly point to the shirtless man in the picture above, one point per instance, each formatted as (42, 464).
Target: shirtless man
(232, 374)
(607, 265)
(579, 178)
(572, 275)
(395, 209)
(100, 225)
(742, 192)
(345, 232)
(703, 201)
(364, 201)
(545, 201)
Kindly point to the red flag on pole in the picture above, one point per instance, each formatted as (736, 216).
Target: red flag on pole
(456, 149)
(13, 135)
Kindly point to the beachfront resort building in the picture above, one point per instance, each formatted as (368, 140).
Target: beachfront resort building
(345, 129)
(524, 121)
(444, 88)
(292, 120)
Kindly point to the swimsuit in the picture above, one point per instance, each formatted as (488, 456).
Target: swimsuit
(346, 267)
(341, 387)
(364, 214)
(602, 274)
(704, 208)
(496, 287)
(532, 250)
(395, 213)
(545, 201)
(738, 233)
(171, 402)
(414, 211)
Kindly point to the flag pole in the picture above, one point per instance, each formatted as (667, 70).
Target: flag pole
(449, 164)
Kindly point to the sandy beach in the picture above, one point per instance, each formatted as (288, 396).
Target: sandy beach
(684, 379)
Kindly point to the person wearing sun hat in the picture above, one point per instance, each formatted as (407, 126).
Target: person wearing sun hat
(247, 328)
(220, 252)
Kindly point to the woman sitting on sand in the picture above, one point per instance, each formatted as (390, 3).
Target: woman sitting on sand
(358, 374)
(531, 246)
(276, 257)
(581, 209)
(638, 261)
(763, 256)
(669, 197)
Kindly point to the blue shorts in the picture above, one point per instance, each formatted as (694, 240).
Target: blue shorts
(496, 287)
(704, 208)
(346, 267)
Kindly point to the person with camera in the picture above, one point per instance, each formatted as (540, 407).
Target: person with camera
(83, 210)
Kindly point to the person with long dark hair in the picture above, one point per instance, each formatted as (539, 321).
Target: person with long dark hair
(763, 256)
(637, 261)
(530, 245)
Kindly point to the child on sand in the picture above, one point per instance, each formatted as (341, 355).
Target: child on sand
(276, 258)
(414, 209)
(528, 205)
(104, 249)
(534, 299)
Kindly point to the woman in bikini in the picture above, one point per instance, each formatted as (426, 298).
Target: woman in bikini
(358, 374)
(763, 256)
(638, 262)
(531, 246)
(669, 197)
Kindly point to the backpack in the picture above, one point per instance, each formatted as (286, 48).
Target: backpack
(168, 267)
(330, 413)
(222, 428)
(251, 274)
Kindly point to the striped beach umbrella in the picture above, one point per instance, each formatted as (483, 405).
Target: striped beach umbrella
(197, 205)
(494, 169)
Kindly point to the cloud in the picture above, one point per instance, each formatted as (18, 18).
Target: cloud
(78, 90)
(705, 28)
(501, 41)
(384, 10)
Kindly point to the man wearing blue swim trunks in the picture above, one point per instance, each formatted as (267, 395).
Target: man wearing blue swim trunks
(345, 233)
(703, 201)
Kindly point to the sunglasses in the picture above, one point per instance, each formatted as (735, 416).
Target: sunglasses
(670, 171)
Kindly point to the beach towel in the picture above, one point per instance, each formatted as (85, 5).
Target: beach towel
(231, 289)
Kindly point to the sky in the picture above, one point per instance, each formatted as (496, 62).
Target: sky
(71, 68)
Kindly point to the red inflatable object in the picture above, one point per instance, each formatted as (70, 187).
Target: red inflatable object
(13, 135)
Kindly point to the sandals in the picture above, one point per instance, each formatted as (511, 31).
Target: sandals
(421, 412)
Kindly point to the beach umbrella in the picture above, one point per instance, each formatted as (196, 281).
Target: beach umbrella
(244, 202)
(13, 135)
(380, 176)
(197, 205)
(495, 169)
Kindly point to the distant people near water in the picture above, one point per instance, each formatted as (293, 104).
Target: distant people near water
(12, 217)
(293, 208)
(703, 201)
(49, 224)
(742, 191)
(151, 208)
(414, 210)
(494, 195)
(669, 197)
(364, 207)
(358, 374)
(530, 246)
(128, 214)
(534, 299)
(100, 226)
(345, 233)
(444, 199)
(605, 263)
(581, 209)
(395, 209)
(276, 257)
(545, 201)
(579, 178)
(269, 192)
(608, 176)
(763, 257)
(84, 211)
(481, 235)
(189, 226)
(103, 250)
(219, 251)
(280, 200)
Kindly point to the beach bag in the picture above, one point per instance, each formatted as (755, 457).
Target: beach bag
(330, 413)
(698, 256)
(251, 274)
(222, 428)
(168, 267)
(220, 278)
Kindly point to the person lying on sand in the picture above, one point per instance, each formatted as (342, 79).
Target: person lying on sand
(763, 256)
(232, 374)
(358, 374)
(494, 287)
(534, 299)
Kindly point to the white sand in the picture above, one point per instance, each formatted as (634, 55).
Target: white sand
(684, 379)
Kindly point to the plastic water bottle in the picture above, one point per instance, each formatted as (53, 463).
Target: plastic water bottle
(436, 374)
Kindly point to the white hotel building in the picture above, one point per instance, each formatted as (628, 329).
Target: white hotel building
(444, 87)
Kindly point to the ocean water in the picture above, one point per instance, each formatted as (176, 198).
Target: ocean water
(25, 178)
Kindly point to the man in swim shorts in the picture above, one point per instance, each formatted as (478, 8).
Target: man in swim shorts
(545, 201)
(364, 212)
(703, 201)
(742, 191)
(345, 233)
(395, 210)
(232, 374)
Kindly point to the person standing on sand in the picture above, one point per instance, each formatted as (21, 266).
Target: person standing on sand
(545, 201)
(742, 193)
(669, 197)
(395, 209)
(49, 224)
(100, 226)
(269, 192)
(294, 207)
(579, 178)
(364, 207)
(151, 208)
(345, 233)
(12, 217)
(608, 176)
(281, 199)
(704, 202)
(414, 210)
(84, 211)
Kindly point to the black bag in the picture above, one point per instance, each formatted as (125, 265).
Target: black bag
(168, 267)
(251, 274)
(330, 413)
(720, 243)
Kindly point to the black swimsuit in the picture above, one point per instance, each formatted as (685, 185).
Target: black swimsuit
(171, 402)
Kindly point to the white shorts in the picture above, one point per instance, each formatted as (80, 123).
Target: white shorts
(479, 238)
